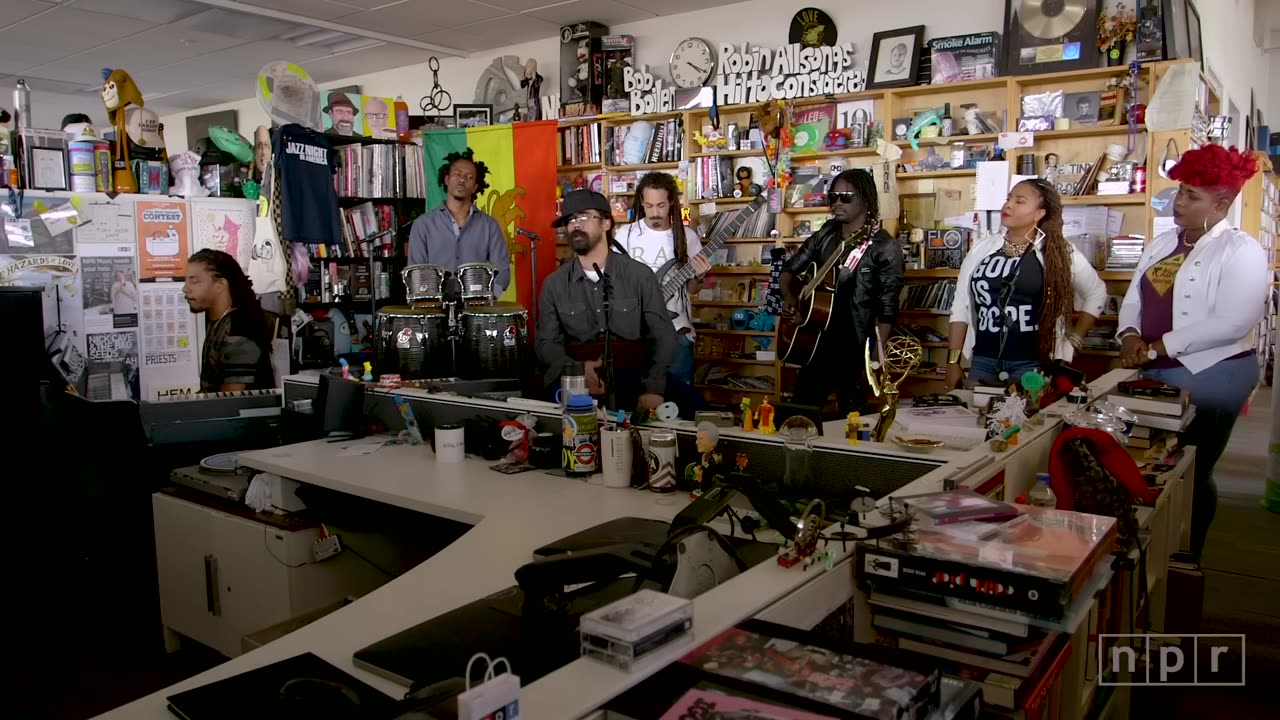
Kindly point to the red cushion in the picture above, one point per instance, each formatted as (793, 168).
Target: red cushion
(1110, 454)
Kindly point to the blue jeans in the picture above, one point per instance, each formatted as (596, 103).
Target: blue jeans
(682, 364)
(985, 370)
(1219, 394)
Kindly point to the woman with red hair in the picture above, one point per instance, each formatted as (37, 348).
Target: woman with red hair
(1196, 297)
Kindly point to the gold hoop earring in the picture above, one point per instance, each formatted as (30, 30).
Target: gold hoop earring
(1206, 223)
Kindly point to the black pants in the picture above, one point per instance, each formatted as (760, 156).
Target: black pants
(838, 363)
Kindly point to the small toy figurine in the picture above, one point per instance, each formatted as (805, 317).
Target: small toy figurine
(368, 372)
(764, 415)
(851, 427)
(532, 82)
(838, 139)
(744, 175)
(346, 368)
(740, 459)
(745, 406)
(701, 473)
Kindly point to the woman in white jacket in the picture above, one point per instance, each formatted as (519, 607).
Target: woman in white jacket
(1189, 314)
(1013, 307)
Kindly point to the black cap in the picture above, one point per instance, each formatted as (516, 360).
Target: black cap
(576, 201)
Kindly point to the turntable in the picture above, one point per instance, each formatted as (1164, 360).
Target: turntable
(1046, 36)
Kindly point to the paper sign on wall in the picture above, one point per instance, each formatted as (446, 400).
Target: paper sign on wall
(169, 342)
(163, 239)
(224, 224)
(107, 223)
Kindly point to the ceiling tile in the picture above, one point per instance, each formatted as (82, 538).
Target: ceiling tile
(363, 62)
(318, 9)
(403, 20)
(511, 30)
(371, 4)
(159, 46)
(65, 31)
(234, 24)
(522, 5)
(605, 12)
(675, 7)
(158, 12)
(459, 39)
(452, 13)
(12, 11)
(238, 65)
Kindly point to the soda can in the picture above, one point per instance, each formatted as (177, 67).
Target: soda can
(1140, 179)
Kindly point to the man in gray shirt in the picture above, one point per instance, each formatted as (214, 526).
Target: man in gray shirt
(571, 317)
(458, 232)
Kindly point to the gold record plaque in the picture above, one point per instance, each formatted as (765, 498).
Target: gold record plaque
(812, 27)
(1050, 36)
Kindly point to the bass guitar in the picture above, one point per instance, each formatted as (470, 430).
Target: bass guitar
(672, 278)
(798, 335)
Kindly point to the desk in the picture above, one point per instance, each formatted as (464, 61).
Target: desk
(512, 515)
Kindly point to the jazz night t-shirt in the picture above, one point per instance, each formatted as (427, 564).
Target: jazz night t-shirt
(988, 283)
(306, 163)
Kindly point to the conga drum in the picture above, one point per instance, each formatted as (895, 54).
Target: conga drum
(424, 284)
(413, 343)
(477, 280)
(495, 341)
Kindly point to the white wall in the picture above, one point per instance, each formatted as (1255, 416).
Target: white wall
(1271, 108)
(1226, 33)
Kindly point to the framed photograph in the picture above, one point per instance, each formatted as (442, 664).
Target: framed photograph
(429, 123)
(1082, 107)
(469, 116)
(1193, 34)
(895, 58)
(1177, 44)
(48, 168)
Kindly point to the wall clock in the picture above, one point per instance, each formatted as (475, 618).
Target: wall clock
(692, 63)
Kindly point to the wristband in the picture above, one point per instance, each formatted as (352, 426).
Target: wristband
(953, 357)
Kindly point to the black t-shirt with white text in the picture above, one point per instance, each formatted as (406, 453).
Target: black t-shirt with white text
(1022, 309)
(309, 203)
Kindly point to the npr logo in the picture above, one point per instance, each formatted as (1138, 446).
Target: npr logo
(1171, 660)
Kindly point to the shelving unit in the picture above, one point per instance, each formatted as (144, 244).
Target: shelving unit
(1260, 217)
(952, 188)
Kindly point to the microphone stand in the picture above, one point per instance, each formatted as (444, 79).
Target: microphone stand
(450, 300)
(533, 270)
(610, 395)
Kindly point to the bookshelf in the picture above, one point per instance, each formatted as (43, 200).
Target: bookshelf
(1260, 217)
(381, 187)
(952, 188)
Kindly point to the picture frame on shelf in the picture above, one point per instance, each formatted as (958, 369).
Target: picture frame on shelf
(1082, 108)
(472, 115)
(429, 123)
(48, 168)
(895, 58)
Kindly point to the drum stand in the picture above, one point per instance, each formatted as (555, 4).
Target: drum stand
(450, 299)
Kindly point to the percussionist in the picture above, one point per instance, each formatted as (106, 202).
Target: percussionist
(457, 231)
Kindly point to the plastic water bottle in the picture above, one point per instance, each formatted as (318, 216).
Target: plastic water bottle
(1042, 495)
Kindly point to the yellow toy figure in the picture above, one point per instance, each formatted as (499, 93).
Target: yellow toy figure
(851, 427)
(118, 93)
(746, 414)
(764, 415)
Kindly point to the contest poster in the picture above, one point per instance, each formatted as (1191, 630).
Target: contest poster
(112, 372)
(225, 224)
(163, 239)
(521, 160)
(59, 275)
(347, 113)
(170, 342)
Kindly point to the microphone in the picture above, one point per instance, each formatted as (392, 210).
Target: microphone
(601, 273)
(528, 233)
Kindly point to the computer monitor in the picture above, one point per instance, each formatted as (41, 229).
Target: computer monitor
(340, 404)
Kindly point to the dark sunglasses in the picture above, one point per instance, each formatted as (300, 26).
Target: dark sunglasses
(843, 197)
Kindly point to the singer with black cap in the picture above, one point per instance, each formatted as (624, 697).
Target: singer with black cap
(603, 294)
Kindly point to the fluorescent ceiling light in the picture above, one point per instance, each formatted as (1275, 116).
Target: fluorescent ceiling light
(326, 25)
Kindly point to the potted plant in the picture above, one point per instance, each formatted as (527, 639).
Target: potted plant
(1115, 31)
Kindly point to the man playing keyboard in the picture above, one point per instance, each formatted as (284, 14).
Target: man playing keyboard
(237, 343)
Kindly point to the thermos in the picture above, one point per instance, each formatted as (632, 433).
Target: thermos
(573, 381)
(22, 104)
(662, 461)
(580, 430)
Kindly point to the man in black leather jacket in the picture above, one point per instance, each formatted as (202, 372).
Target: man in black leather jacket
(866, 296)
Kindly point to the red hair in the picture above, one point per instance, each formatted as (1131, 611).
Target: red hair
(1213, 166)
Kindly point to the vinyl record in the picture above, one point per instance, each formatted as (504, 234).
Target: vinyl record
(812, 27)
(1050, 19)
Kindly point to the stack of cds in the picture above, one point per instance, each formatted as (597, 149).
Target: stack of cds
(1125, 252)
(625, 631)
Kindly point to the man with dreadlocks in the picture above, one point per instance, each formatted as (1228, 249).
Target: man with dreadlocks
(657, 236)
(868, 283)
(237, 342)
(458, 232)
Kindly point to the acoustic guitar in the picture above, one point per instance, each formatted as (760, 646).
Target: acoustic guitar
(798, 335)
